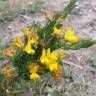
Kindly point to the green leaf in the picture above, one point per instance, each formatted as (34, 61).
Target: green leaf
(1, 79)
(68, 9)
(25, 39)
(49, 27)
(58, 25)
(40, 32)
(83, 44)
(55, 43)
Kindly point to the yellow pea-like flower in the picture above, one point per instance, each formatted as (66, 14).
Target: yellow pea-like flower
(47, 56)
(51, 56)
(8, 52)
(43, 58)
(34, 68)
(28, 48)
(70, 37)
(60, 54)
(53, 66)
(25, 31)
(34, 39)
(49, 59)
(57, 32)
(34, 76)
(8, 72)
(31, 34)
(57, 74)
(18, 43)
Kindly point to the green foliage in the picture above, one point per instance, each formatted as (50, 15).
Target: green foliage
(3, 94)
(1, 79)
(1, 85)
(21, 61)
(83, 44)
(48, 29)
(68, 9)
(53, 22)
(40, 32)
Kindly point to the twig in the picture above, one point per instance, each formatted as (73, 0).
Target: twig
(72, 64)
(41, 89)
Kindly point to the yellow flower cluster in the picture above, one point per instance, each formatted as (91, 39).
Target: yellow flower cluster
(31, 34)
(51, 61)
(69, 35)
(48, 59)
(32, 39)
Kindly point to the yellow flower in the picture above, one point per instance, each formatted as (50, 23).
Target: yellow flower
(18, 43)
(60, 54)
(47, 56)
(25, 31)
(70, 37)
(44, 58)
(57, 73)
(34, 39)
(57, 32)
(49, 59)
(34, 68)
(51, 56)
(28, 48)
(31, 34)
(8, 72)
(34, 76)
(8, 52)
(53, 66)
